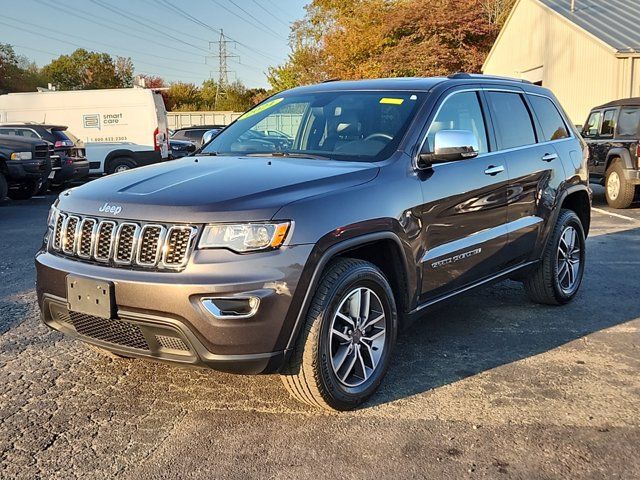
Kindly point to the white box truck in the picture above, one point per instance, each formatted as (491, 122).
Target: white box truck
(121, 128)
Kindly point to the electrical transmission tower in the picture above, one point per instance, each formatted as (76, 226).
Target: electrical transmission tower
(222, 57)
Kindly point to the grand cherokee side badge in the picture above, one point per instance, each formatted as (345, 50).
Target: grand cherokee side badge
(456, 258)
(113, 209)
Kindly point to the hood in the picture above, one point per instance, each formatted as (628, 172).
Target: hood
(206, 189)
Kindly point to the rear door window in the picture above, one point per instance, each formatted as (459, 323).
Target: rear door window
(551, 122)
(592, 127)
(629, 122)
(608, 123)
(512, 120)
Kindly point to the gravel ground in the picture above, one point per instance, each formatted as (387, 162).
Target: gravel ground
(490, 387)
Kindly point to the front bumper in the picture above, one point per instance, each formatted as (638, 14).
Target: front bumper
(167, 305)
(28, 169)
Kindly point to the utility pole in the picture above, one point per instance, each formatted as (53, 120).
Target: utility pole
(223, 68)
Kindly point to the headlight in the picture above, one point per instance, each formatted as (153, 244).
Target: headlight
(21, 156)
(244, 237)
(52, 217)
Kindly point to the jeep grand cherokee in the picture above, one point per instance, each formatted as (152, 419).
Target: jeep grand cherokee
(391, 196)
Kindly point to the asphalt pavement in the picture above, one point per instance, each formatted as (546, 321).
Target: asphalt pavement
(492, 386)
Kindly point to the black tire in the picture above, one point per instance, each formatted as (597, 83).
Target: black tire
(121, 164)
(618, 191)
(4, 188)
(309, 376)
(543, 285)
(24, 191)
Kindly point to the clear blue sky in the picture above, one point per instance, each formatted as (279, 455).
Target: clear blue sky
(160, 40)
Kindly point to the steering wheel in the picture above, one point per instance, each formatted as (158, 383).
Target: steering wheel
(381, 135)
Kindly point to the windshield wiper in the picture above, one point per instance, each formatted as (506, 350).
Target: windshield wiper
(205, 154)
(287, 155)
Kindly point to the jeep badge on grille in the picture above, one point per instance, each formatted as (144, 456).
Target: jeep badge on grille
(114, 209)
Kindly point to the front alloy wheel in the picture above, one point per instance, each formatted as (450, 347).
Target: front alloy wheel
(346, 342)
(357, 337)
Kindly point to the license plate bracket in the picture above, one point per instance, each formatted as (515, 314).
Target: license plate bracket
(90, 296)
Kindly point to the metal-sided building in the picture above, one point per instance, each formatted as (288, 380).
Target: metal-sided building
(586, 51)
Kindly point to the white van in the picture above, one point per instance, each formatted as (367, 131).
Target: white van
(121, 128)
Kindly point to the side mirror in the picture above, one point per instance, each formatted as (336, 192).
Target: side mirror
(449, 146)
(208, 136)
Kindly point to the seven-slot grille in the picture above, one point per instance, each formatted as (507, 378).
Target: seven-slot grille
(41, 151)
(123, 243)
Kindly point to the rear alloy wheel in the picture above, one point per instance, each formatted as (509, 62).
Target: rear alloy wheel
(345, 346)
(558, 276)
(618, 191)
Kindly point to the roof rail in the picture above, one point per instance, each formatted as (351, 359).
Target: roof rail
(331, 80)
(462, 75)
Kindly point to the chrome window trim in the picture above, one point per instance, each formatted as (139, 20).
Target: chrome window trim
(493, 152)
(134, 243)
(160, 244)
(111, 240)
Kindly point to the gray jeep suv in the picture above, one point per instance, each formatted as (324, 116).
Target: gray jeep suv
(391, 196)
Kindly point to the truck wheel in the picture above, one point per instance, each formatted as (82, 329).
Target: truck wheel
(121, 164)
(345, 345)
(4, 188)
(558, 276)
(618, 191)
(24, 191)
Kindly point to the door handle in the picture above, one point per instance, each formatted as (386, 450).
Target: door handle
(549, 157)
(494, 170)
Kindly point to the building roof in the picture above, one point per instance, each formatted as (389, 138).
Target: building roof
(614, 22)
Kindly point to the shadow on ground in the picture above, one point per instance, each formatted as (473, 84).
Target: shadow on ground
(497, 325)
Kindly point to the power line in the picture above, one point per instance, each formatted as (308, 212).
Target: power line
(257, 20)
(83, 38)
(23, 29)
(268, 12)
(191, 18)
(112, 27)
(140, 22)
(244, 19)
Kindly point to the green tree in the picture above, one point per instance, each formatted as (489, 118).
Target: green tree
(17, 73)
(89, 70)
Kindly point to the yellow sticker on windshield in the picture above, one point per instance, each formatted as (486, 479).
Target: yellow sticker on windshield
(392, 101)
(261, 108)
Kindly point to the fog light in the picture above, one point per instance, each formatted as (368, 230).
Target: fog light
(231, 307)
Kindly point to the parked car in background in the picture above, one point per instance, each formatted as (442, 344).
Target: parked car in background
(612, 132)
(69, 160)
(195, 133)
(25, 164)
(395, 195)
(122, 128)
(180, 148)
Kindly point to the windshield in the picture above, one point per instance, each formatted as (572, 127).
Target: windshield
(354, 125)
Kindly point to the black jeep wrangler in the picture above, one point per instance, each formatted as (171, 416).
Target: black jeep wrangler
(612, 132)
(25, 164)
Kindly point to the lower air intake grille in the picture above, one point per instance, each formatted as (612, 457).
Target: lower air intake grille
(172, 343)
(112, 331)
